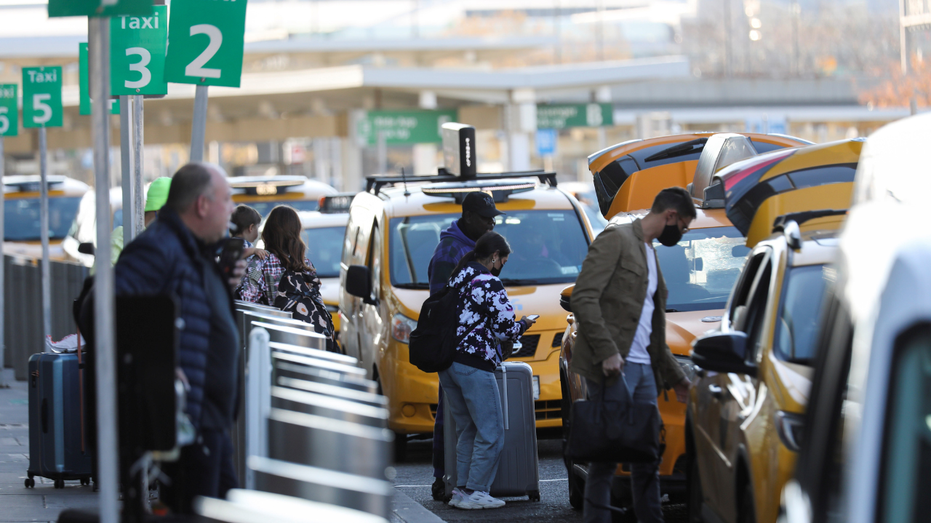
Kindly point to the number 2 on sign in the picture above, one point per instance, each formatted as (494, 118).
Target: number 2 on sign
(145, 76)
(196, 68)
(38, 103)
(4, 120)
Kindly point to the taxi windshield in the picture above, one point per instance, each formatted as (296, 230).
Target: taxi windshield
(266, 207)
(324, 245)
(546, 247)
(701, 269)
(797, 328)
(22, 219)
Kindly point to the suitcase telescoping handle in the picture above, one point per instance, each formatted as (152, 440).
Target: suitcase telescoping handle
(504, 381)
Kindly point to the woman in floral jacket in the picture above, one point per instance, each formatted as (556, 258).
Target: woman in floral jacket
(486, 318)
(285, 278)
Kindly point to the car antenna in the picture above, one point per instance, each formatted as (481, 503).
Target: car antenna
(404, 179)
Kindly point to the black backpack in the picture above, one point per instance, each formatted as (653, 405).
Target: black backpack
(433, 343)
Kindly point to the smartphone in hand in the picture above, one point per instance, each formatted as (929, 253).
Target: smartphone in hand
(533, 317)
(230, 254)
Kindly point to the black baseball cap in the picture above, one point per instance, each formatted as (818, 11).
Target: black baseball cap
(480, 203)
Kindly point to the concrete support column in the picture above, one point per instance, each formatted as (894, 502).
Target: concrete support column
(352, 175)
(520, 121)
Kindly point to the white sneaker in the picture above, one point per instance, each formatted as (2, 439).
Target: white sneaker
(480, 500)
(457, 498)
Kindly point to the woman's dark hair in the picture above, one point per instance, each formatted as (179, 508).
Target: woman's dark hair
(282, 237)
(488, 244)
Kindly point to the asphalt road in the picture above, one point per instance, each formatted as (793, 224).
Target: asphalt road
(415, 475)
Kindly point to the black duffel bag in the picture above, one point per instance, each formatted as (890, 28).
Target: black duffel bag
(615, 430)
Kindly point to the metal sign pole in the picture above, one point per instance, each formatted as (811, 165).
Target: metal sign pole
(199, 126)
(107, 436)
(43, 221)
(2, 266)
(126, 162)
(138, 221)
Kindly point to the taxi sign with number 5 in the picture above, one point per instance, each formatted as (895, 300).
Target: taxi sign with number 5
(206, 42)
(137, 53)
(9, 112)
(42, 97)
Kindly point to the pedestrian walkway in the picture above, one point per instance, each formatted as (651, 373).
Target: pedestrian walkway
(17, 503)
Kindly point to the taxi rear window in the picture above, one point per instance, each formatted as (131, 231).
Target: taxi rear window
(22, 219)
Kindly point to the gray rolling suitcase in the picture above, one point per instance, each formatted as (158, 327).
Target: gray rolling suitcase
(518, 467)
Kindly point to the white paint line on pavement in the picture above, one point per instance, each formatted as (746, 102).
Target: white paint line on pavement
(426, 486)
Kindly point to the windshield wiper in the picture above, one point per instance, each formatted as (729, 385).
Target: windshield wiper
(412, 285)
(673, 310)
(678, 150)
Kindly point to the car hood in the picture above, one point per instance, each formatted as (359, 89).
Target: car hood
(683, 327)
(527, 300)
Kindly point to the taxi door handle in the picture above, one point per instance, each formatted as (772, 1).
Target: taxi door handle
(716, 391)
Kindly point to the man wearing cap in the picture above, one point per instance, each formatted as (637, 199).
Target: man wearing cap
(154, 200)
(478, 217)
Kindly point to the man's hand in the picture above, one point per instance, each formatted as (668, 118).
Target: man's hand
(682, 390)
(613, 365)
(239, 270)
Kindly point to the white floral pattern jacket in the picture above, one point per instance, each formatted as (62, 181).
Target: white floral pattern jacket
(486, 317)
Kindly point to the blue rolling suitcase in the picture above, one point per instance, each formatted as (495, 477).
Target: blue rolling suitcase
(57, 447)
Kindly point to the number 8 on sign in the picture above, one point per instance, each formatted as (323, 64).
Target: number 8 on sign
(206, 42)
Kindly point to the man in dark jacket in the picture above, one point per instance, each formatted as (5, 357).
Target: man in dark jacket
(478, 217)
(175, 255)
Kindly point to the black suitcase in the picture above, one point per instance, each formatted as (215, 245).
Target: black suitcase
(57, 447)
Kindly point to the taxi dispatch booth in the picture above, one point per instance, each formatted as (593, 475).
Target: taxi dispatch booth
(394, 227)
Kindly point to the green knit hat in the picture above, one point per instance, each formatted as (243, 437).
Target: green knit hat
(158, 194)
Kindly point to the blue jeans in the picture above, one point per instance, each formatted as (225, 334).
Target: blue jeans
(644, 477)
(476, 406)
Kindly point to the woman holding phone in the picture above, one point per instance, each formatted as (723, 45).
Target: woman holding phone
(486, 318)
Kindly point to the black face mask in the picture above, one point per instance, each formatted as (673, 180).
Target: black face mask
(495, 271)
(671, 235)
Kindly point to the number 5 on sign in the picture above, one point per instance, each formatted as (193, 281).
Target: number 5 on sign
(206, 42)
(9, 112)
(42, 97)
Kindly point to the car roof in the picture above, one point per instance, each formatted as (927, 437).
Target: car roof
(316, 219)
(416, 203)
(16, 183)
(892, 164)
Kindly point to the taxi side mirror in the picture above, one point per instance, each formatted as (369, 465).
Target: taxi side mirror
(359, 283)
(723, 352)
(565, 298)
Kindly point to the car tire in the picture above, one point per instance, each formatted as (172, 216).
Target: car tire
(695, 496)
(747, 507)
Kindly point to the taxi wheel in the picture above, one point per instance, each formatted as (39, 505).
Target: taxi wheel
(400, 447)
(747, 508)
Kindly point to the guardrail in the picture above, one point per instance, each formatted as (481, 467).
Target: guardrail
(311, 426)
(22, 295)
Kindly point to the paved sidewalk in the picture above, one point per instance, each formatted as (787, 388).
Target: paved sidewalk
(17, 503)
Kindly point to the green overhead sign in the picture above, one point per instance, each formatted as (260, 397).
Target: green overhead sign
(9, 111)
(84, 107)
(206, 42)
(98, 7)
(42, 97)
(137, 53)
(404, 127)
(575, 115)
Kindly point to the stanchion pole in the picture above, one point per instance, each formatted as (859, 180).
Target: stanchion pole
(43, 235)
(126, 166)
(199, 126)
(107, 435)
(138, 141)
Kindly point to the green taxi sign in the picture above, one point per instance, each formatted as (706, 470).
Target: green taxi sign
(84, 105)
(206, 42)
(404, 127)
(574, 115)
(58, 8)
(137, 53)
(9, 111)
(42, 97)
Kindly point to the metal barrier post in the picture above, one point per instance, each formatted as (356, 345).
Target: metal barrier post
(258, 398)
(43, 234)
(107, 435)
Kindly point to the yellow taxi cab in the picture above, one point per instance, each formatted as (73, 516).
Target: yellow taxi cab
(323, 232)
(263, 193)
(699, 271)
(21, 213)
(753, 374)
(393, 230)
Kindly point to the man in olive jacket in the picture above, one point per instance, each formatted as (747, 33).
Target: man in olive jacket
(619, 302)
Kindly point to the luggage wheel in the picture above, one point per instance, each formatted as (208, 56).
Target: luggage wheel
(59, 483)
(534, 495)
(30, 483)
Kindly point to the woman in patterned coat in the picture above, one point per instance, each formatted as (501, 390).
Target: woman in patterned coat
(486, 318)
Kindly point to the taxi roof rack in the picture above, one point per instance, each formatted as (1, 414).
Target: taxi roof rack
(788, 224)
(374, 183)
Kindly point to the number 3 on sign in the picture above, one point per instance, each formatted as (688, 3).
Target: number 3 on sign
(196, 68)
(145, 75)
